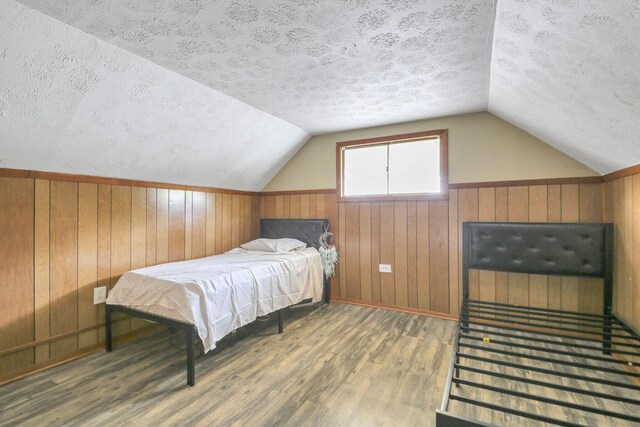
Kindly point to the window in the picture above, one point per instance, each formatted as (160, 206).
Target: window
(393, 167)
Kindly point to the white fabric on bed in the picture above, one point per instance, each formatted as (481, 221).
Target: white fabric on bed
(221, 293)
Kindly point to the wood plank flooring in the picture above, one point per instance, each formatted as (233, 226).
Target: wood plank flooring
(335, 365)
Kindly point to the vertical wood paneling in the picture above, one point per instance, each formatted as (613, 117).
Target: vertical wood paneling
(538, 212)
(104, 245)
(247, 219)
(219, 219)
(227, 222)
(162, 226)
(590, 291)
(294, 206)
(304, 206)
(63, 239)
(41, 267)
(375, 252)
(627, 248)
(352, 250)
(279, 202)
(64, 265)
(422, 254)
(341, 247)
(199, 225)
(455, 284)
(87, 261)
(387, 291)
(518, 211)
(152, 233)
(468, 211)
(412, 273)
(554, 214)
(487, 213)
(16, 270)
(236, 213)
(120, 242)
(176, 225)
(138, 237)
(188, 224)
(502, 214)
(400, 253)
(365, 252)
(211, 224)
(331, 213)
(312, 206)
(438, 260)
(570, 213)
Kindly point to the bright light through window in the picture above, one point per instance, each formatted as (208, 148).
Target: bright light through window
(367, 172)
(414, 167)
(400, 165)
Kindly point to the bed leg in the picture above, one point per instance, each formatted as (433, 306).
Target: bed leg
(107, 328)
(191, 369)
(606, 337)
(280, 323)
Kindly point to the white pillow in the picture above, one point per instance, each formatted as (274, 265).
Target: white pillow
(274, 245)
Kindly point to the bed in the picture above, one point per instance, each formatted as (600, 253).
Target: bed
(514, 364)
(210, 297)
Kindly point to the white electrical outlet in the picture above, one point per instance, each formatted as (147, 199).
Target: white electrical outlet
(99, 295)
(384, 268)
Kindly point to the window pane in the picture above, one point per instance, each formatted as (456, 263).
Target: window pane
(414, 167)
(365, 171)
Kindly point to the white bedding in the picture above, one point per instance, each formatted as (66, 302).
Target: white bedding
(221, 293)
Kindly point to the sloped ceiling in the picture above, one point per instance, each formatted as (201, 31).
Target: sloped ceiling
(72, 103)
(321, 65)
(568, 72)
(564, 70)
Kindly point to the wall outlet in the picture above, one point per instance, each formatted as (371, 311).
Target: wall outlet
(384, 268)
(99, 295)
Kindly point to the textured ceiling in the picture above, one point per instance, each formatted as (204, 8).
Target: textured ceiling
(568, 72)
(72, 103)
(321, 65)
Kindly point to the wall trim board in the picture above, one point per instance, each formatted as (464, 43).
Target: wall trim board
(464, 185)
(298, 192)
(58, 176)
(529, 182)
(401, 309)
(631, 170)
(57, 337)
(27, 372)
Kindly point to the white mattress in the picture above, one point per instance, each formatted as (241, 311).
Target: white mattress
(221, 293)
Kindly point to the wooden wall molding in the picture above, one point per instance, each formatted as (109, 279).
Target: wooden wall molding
(23, 373)
(409, 310)
(631, 170)
(299, 192)
(528, 182)
(57, 176)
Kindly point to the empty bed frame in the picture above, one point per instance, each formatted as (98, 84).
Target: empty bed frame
(558, 367)
(305, 230)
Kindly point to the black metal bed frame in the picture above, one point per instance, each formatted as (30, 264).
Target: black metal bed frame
(486, 329)
(306, 230)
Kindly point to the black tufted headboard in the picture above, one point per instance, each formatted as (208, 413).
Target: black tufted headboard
(564, 249)
(306, 230)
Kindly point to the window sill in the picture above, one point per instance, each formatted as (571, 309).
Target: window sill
(393, 198)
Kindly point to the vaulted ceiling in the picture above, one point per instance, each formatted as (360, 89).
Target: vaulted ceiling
(230, 89)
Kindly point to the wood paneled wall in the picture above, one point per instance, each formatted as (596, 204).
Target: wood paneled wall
(422, 242)
(622, 197)
(61, 239)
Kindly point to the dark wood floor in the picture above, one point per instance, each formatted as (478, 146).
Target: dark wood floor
(334, 365)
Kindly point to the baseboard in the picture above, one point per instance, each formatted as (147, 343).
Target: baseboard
(34, 369)
(410, 310)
